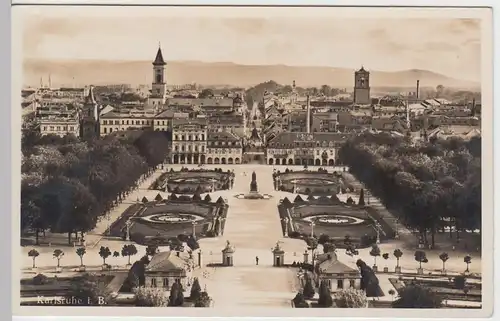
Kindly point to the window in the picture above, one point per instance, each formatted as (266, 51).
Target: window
(165, 282)
(175, 137)
(352, 283)
(105, 130)
(44, 128)
(176, 148)
(340, 284)
(182, 148)
(153, 283)
(196, 148)
(104, 122)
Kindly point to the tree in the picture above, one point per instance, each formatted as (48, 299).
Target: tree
(206, 93)
(397, 254)
(308, 291)
(459, 282)
(203, 301)
(329, 247)
(420, 257)
(369, 281)
(90, 290)
(361, 201)
(417, 297)
(116, 254)
(195, 290)
(299, 301)
(176, 298)
(386, 257)
(392, 293)
(129, 250)
(350, 298)
(375, 251)
(104, 252)
(467, 260)
(81, 251)
(150, 297)
(325, 299)
(58, 254)
(33, 254)
(444, 257)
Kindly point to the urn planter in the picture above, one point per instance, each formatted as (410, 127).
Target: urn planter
(420, 271)
(374, 268)
(82, 268)
(397, 269)
(58, 269)
(386, 270)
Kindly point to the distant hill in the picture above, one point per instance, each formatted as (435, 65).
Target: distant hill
(219, 74)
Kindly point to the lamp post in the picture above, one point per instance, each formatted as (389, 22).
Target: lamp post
(128, 229)
(396, 236)
(312, 229)
(286, 220)
(194, 228)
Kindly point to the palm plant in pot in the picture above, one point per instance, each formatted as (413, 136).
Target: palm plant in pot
(386, 257)
(398, 254)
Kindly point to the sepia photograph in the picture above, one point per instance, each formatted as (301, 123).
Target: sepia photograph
(249, 159)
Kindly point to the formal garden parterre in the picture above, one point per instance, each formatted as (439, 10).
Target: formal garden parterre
(317, 183)
(161, 220)
(330, 217)
(190, 181)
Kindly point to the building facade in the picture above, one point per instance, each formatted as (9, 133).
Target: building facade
(224, 148)
(313, 149)
(189, 141)
(335, 274)
(167, 268)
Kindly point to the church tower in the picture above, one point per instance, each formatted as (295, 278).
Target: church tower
(362, 87)
(159, 85)
(89, 117)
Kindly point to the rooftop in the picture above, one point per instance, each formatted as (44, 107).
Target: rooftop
(328, 263)
(167, 261)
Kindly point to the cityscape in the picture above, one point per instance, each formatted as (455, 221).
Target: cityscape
(286, 191)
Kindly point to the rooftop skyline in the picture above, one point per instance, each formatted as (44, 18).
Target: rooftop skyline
(439, 43)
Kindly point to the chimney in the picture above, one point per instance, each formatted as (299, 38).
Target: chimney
(418, 88)
(308, 116)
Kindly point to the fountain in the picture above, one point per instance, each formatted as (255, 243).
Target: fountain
(254, 193)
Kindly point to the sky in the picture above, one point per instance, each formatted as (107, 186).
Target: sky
(439, 43)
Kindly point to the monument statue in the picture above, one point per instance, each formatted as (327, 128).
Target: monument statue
(253, 184)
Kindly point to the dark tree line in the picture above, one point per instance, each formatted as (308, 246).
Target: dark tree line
(67, 184)
(427, 184)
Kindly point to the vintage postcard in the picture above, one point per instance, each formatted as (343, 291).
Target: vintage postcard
(253, 161)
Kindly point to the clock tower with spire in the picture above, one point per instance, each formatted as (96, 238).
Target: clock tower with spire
(159, 85)
(362, 87)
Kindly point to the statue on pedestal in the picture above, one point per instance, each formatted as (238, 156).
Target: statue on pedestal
(253, 184)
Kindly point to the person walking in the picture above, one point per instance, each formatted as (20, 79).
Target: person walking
(256, 260)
